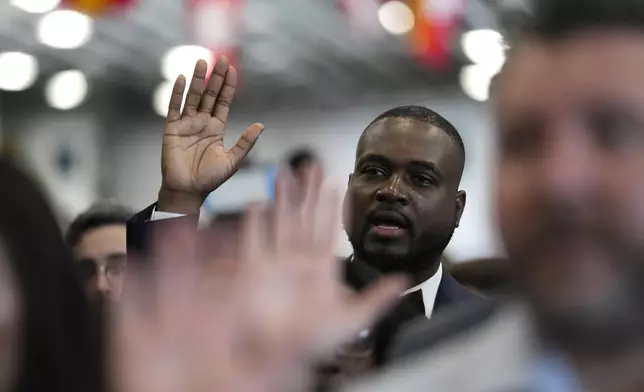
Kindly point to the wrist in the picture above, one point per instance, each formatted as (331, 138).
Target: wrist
(179, 202)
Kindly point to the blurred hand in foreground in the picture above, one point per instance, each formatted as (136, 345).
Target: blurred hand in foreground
(194, 160)
(254, 324)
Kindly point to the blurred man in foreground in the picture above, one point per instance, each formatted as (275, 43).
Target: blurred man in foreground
(97, 239)
(569, 198)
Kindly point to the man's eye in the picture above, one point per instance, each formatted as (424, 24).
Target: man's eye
(615, 130)
(87, 269)
(118, 265)
(423, 180)
(373, 171)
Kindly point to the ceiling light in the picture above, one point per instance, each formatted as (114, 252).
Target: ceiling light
(36, 6)
(475, 82)
(181, 61)
(396, 17)
(161, 97)
(65, 29)
(66, 90)
(18, 71)
(485, 48)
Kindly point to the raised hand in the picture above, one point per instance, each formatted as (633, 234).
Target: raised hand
(194, 160)
(253, 324)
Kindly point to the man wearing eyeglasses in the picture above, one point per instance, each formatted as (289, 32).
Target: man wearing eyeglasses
(97, 239)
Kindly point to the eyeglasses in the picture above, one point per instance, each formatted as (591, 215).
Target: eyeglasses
(112, 267)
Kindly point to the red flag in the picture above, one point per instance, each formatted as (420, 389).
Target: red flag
(436, 23)
(215, 25)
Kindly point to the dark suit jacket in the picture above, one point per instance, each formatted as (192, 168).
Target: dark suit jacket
(357, 276)
(421, 335)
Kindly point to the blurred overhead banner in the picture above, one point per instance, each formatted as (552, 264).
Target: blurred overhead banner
(216, 25)
(98, 7)
(436, 23)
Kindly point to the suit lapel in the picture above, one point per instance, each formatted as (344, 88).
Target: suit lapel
(450, 293)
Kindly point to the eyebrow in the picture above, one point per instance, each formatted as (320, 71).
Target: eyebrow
(426, 165)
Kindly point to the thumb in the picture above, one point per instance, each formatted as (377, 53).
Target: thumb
(245, 143)
(362, 311)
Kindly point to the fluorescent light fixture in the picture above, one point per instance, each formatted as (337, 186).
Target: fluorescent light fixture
(396, 17)
(485, 48)
(65, 29)
(18, 71)
(36, 6)
(181, 61)
(475, 82)
(66, 90)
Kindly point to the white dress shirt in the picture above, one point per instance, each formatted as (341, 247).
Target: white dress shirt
(428, 288)
(160, 215)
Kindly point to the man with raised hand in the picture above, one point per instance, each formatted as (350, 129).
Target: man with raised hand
(403, 199)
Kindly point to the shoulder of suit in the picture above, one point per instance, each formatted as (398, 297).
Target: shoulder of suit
(494, 353)
(422, 334)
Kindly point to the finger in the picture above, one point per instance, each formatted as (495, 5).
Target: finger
(361, 311)
(310, 206)
(221, 241)
(195, 91)
(213, 89)
(132, 327)
(176, 99)
(328, 222)
(253, 234)
(283, 222)
(137, 297)
(245, 143)
(226, 95)
(177, 277)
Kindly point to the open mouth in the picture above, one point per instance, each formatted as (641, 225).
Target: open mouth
(388, 224)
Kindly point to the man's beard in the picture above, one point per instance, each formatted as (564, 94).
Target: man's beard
(423, 250)
(609, 323)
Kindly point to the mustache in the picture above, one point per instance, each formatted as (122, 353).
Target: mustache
(385, 208)
(557, 222)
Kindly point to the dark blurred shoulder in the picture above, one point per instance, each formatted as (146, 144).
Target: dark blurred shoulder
(421, 334)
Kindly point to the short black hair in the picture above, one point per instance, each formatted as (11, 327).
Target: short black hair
(98, 215)
(429, 116)
(300, 158)
(556, 19)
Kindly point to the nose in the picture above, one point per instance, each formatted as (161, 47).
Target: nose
(569, 169)
(102, 284)
(392, 193)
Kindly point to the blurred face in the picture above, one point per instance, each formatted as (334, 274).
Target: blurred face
(102, 254)
(570, 195)
(403, 195)
(9, 324)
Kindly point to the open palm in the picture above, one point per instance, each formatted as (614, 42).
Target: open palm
(194, 160)
(254, 323)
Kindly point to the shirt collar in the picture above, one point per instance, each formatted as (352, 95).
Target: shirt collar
(430, 283)
(429, 289)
